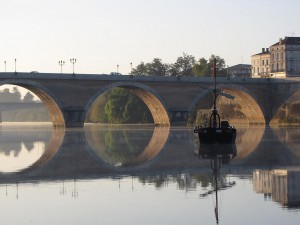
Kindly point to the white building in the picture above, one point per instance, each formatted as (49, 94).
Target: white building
(260, 64)
(281, 60)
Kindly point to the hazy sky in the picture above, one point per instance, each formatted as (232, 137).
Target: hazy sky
(103, 33)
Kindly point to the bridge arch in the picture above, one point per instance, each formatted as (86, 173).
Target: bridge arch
(284, 108)
(153, 101)
(249, 106)
(49, 100)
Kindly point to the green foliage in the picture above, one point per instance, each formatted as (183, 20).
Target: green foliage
(183, 66)
(155, 68)
(106, 144)
(96, 113)
(119, 105)
(200, 69)
(204, 67)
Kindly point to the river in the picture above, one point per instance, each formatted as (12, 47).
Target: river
(140, 174)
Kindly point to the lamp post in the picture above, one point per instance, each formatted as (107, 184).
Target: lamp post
(117, 68)
(131, 68)
(15, 65)
(5, 66)
(61, 63)
(73, 61)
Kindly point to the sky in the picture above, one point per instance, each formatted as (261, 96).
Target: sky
(101, 34)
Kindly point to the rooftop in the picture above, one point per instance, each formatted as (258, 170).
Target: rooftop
(288, 41)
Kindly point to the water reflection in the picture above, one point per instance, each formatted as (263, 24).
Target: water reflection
(150, 169)
(276, 148)
(289, 137)
(218, 155)
(96, 150)
(280, 185)
(248, 139)
(25, 147)
(124, 146)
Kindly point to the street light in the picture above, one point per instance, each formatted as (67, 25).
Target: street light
(131, 68)
(117, 68)
(73, 61)
(15, 65)
(61, 63)
(5, 66)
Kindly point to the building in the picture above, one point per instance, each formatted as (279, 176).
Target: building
(260, 64)
(285, 57)
(239, 70)
(281, 60)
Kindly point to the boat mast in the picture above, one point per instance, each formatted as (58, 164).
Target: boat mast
(215, 93)
(215, 82)
(215, 165)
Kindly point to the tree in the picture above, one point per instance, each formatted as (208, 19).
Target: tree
(140, 70)
(121, 107)
(12, 97)
(155, 68)
(200, 69)
(220, 65)
(183, 66)
(96, 113)
(204, 67)
(28, 97)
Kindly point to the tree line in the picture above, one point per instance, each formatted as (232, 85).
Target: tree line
(185, 65)
(15, 96)
(22, 115)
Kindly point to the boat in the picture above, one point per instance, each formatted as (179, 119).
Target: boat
(217, 132)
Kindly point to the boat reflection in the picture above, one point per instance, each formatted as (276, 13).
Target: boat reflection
(223, 152)
(218, 155)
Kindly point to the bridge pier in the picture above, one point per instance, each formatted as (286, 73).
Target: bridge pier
(179, 117)
(74, 117)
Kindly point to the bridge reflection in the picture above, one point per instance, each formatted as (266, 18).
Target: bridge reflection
(126, 146)
(22, 148)
(97, 151)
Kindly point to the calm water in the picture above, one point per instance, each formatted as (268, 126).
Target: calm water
(146, 175)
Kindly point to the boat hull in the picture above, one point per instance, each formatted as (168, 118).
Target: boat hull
(210, 135)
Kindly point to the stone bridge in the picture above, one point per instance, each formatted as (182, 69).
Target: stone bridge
(68, 97)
